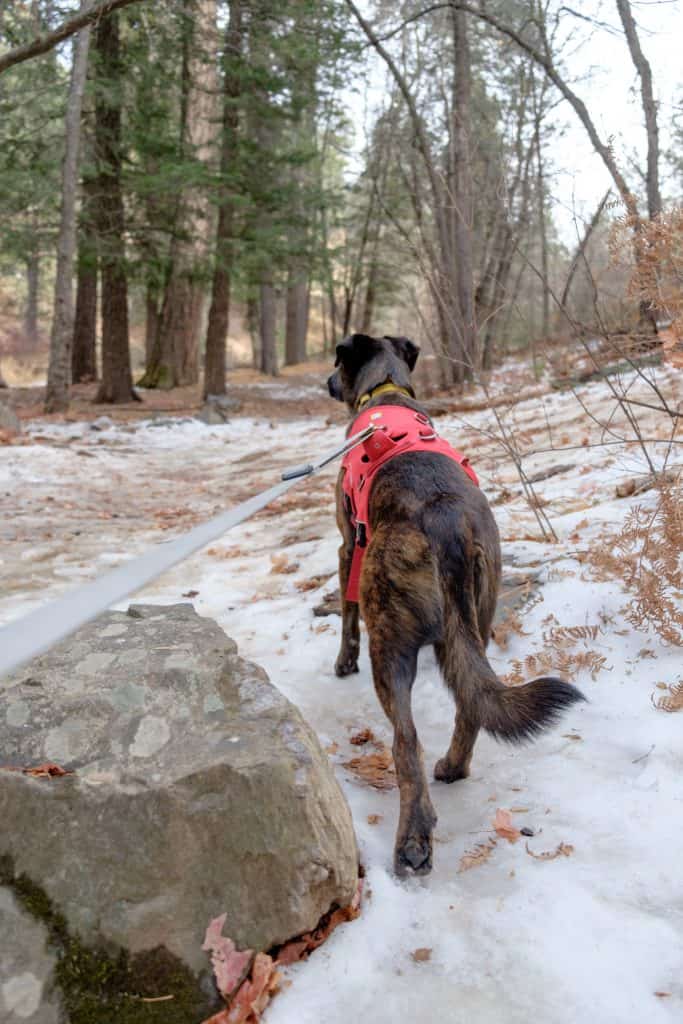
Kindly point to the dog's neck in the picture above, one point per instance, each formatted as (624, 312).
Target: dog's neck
(380, 389)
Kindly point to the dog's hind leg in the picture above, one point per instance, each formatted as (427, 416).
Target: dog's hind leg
(479, 594)
(401, 607)
(455, 764)
(394, 672)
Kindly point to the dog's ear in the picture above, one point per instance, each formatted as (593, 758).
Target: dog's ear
(406, 349)
(354, 349)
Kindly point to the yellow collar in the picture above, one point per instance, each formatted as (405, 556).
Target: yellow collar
(364, 399)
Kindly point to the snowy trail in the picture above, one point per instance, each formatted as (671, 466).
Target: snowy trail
(598, 933)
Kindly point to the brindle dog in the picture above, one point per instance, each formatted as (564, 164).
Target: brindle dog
(431, 575)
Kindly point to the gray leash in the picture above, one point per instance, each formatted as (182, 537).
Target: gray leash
(36, 632)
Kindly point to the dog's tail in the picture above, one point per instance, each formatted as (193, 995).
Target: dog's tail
(514, 714)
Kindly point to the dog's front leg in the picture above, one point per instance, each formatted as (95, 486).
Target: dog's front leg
(347, 660)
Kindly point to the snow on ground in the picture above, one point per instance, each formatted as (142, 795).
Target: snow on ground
(598, 933)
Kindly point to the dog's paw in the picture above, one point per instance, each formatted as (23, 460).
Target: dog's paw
(346, 664)
(444, 771)
(413, 856)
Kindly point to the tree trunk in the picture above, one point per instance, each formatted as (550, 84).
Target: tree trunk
(177, 361)
(59, 369)
(296, 322)
(219, 312)
(267, 328)
(581, 248)
(31, 311)
(83, 353)
(642, 66)
(463, 198)
(254, 330)
(117, 382)
(151, 320)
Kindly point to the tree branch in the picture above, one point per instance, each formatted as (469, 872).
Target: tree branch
(603, 149)
(46, 42)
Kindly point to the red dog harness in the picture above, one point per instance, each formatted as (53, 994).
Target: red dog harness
(397, 430)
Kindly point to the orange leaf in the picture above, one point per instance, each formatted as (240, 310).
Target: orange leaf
(502, 824)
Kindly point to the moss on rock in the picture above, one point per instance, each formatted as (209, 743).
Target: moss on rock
(99, 986)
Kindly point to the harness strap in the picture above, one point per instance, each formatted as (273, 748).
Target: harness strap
(398, 430)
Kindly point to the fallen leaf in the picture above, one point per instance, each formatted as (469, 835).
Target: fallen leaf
(229, 964)
(421, 955)
(292, 952)
(374, 819)
(364, 736)
(41, 771)
(563, 850)
(233, 552)
(191, 593)
(376, 769)
(281, 565)
(479, 855)
(313, 583)
(300, 948)
(332, 748)
(502, 823)
(571, 736)
(662, 995)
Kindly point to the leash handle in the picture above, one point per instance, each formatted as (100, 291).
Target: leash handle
(295, 471)
(305, 469)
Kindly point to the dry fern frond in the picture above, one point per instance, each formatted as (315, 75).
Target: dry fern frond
(673, 701)
(563, 850)
(567, 636)
(479, 855)
(646, 557)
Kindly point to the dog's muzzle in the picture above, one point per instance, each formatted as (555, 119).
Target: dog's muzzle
(334, 387)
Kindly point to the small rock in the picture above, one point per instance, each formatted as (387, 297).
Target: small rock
(102, 423)
(9, 421)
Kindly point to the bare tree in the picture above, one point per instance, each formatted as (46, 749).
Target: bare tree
(59, 369)
(654, 198)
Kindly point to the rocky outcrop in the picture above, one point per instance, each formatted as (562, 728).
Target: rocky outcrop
(197, 789)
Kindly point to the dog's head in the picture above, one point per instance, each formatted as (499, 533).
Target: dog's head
(363, 363)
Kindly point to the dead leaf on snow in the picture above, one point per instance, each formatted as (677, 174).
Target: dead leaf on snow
(374, 819)
(421, 955)
(673, 700)
(281, 565)
(233, 552)
(364, 736)
(502, 823)
(563, 850)
(191, 593)
(332, 748)
(377, 769)
(479, 855)
(313, 582)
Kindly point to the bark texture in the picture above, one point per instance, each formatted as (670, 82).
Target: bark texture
(177, 349)
(219, 311)
(59, 369)
(117, 381)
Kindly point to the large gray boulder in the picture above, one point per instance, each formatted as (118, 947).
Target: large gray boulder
(27, 984)
(197, 789)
